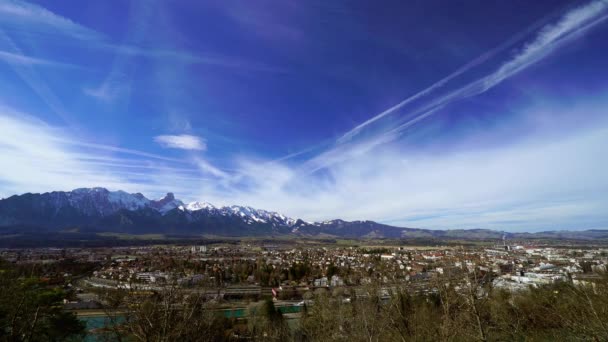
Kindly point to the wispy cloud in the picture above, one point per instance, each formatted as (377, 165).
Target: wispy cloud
(275, 22)
(183, 56)
(30, 76)
(511, 187)
(542, 183)
(549, 38)
(207, 168)
(353, 179)
(113, 87)
(165, 57)
(32, 158)
(115, 149)
(184, 142)
(38, 157)
(15, 58)
(20, 13)
(19, 16)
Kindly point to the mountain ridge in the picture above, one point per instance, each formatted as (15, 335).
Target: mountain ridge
(100, 210)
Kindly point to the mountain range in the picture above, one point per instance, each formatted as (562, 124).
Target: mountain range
(96, 210)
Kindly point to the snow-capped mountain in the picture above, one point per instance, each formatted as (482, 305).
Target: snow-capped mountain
(89, 211)
(90, 201)
(100, 201)
(248, 214)
(92, 210)
(252, 215)
(100, 207)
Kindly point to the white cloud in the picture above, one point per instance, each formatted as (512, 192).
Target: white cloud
(207, 168)
(545, 183)
(540, 184)
(184, 142)
(33, 160)
(37, 157)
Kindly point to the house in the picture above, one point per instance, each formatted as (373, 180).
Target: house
(336, 281)
(321, 282)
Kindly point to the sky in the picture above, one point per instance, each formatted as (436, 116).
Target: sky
(427, 114)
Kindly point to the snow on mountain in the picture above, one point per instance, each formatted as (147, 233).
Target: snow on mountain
(100, 200)
(99, 208)
(166, 203)
(103, 202)
(195, 206)
(128, 201)
(252, 215)
(247, 212)
(169, 202)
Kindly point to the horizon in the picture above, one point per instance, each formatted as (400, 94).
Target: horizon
(410, 114)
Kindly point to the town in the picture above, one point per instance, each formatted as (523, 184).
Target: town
(235, 277)
(252, 270)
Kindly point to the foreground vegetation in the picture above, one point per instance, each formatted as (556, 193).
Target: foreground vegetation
(551, 313)
(31, 309)
(457, 309)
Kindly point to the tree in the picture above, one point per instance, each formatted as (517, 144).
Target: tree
(173, 315)
(32, 311)
(266, 323)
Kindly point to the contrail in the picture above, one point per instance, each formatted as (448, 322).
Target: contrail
(550, 37)
(544, 45)
(572, 23)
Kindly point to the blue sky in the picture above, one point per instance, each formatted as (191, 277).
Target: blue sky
(414, 113)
